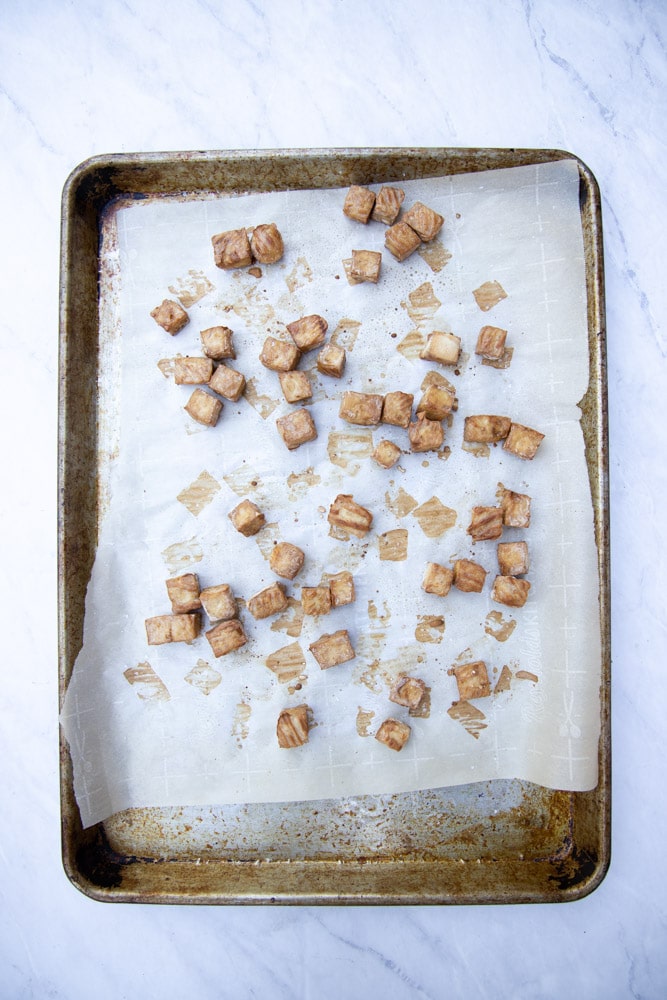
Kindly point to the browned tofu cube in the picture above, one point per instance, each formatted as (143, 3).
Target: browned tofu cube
(219, 602)
(308, 332)
(397, 409)
(331, 360)
(491, 343)
(363, 408)
(333, 649)
(358, 203)
(401, 241)
(232, 249)
(266, 243)
(436, 403)
(316, 600)
(472, 680)
(217, 343)
(523, 441)
(296, 428)
(516, 509)
(286, 560)
(489, 295)
(342, 589)
(279, 355)
(393, 734)
(388, 203)
(442, 347)
(247, 518)
(268, 601)
(486, 523)
(425, 222)
(513, 558)
(409, 692)
(510, 590)
(346, 513)
(292, 727)
(386, 454)
(484, 428)
(204, 408)
(227, 382)
(226, 637)
(192, 371)
(469, 576)
(172, 628)
(158, 630)
(366, 266)
(170, 315)
(296, 386)
(437, 579)
(183, 593)
(426, 435)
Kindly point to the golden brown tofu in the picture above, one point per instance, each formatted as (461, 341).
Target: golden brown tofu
(217, 343)
(247, 518)
(358, 203)
(393, 734)
(192, 371)
(510, 590)
(292, 727)
(231, 249)
(342, 589)
(316, 600)
(296, 428)
(333, 649)
(266, 243)
(516, 508)
(388, 203)
(401, 241)
(436, 403)
(363, 408)
(204, 408)
(486, 523)
(484, 428)
(489, 294)
(219, 602)
(308, 332)
(425, 222)
(286, 560)
(172, 628)
(296, 386)
(268, 602)
(408, 692)
(442, 347)
(346, 513)
(437, 579)
(491, 343)
(226, 637)
(386, 454)
(513, 558)
(397, 409)
(366, 266)
(425, 434)
(228, 383)
(523, 441)
(279, 355)
(170, 315)
(184, 593)
(331, 360)
(469, 576)
(472, 680)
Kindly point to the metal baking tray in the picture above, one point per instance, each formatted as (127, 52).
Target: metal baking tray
(496, 842)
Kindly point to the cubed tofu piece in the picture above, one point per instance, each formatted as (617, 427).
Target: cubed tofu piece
(510, 590)
(363, 408)
(358, 203)
(279, 355)
(184, 593)
(268, 601)
(397, 409)
(401, 241)
(172, 628)
(266, 243)
(247, 518)
(513, 558)
(286, 560)
(366, 266)
(296, 386)
(408, 692)
(436, 403)
(232, 249)
(523, 441)
(516, 508)
(292, 727)
(170, 315)
(192, 371)
(393, 734)
(388, 203)
(331, 360)
(217, 343)
(204, 408)
(486, 523)
(491, 343)
(484, 428)
(296, 428)
(308, 332)
(425, 222)
(228, 383)
(442, 347)
(333, 649)
(425, 434)
(472, 680)
(219, 602)
(469, 576)
(386, 454)
(437, 579)
(342, 589)
(346, 513)
(316, 600)
(226, 637)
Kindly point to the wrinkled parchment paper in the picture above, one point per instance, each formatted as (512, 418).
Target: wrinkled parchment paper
(173, 725)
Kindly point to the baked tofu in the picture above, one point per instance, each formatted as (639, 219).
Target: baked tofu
(268, 602)
(226, 637)
(227, 382)
(172, 628)
(192, 371)
(341, 587)
(393, 734)
(292, 727)
(308, 332)
(266, 243)
(349, 515)
(513, 558)
(388, 203)
(279, 355)
(523, 441)
(510, 590)
(358, 204)
(247, 518)
(333, 649)
(316, 600)
(184, 593)
(295, 386)
(365, 266)
(362, 408)
(469, 576)
(426, 435)
(204, 408)
(486, 523)
(483, 428)
(286, 560)
(408, 692)
(436, 403)
(386, 454)
(219, 602)
(425, 222)
(231, 249)
(171, 316)
(442, 347)
(472, 680)
(331, 360)
(401, 241)
(296, 428)
(491, 343)
(437, 579)
(397, 409)
(515, 507)
(217, 343)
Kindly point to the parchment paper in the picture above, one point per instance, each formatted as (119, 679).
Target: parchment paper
(173, 725)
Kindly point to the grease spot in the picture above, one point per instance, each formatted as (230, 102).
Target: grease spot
(300, 275)
(190, 289)
(393, 545)
(199, 493)
(422, 304)
(267, 537)
(240, 727)
(203, 677)
(364, 719)
(346, 333)
(503, 362)
(288, 663)
(480, 450)
(526, 675)
(412, 345)
(435, 255)
(489, 294)
(291, 620)
(468, 716)
(148, 685)
(263, 404)
(300, 482)
(430, 628)
(434, 518)
(498, 627)
(401, 504)
(348, 450)
(504, 681)
(180, 555)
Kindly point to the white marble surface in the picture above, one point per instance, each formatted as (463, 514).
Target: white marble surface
(82, 78)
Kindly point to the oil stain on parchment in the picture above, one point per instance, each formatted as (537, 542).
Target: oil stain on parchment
(203, 677)
(430, 628)
(526, 675)
(168, 366)
(199, 493)
(346, 333)
(245, 481)
(470, 717)
(364, 719)
(348, 449)
(500, 363)
(401, 504)
(190, 289)
(435, 254)
(489, 295)
(300, 275)
(298, 483)
(422, 304)
(254, 308)
(478, 450)
(393, 545)
(383, 617)
(291, 620)
(240, 727)
(180, 555)
(263, 404)
(423, 709)
(498, 627)
(434, 518)
(288, 663)
(266, 539)
(379, 673)
(148, 685)
(412, 345)
(504, 682)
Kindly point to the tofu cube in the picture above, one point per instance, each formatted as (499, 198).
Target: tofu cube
(397, 409)
(486, 523)
(292, 727)
(442, 347)
(286, 560)
(516, 509)
(366, 266)
(170, 315)
(408, 692)
(425, 434)
(358, 203)
(217, 343)
(184, 593)
(226, 637)
(231, 249)
(393, 734)
(308, 332)
(204, 408)
(510, 590)
(158, 630)
(266, 243)
(386, 454)
(219, 602)
(331, 360)
(333, 649)
(513, 558)
(192, 371)
(491, 343)
(296, 386)
(425, 222)
(388, 203)
(316, 600)
(472, 680)
(523, 441)
(341, 587)
(485, 428)
(401, 240)
(437, 579)
(247, 518)
(296, 428)
(172, 628)
(228, 383)
(363, 408)
(436, 403)
(347, 514)
(279, 355)
(469, 576)
(268, 602)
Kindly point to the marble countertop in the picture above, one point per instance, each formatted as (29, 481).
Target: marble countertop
(589, 76)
